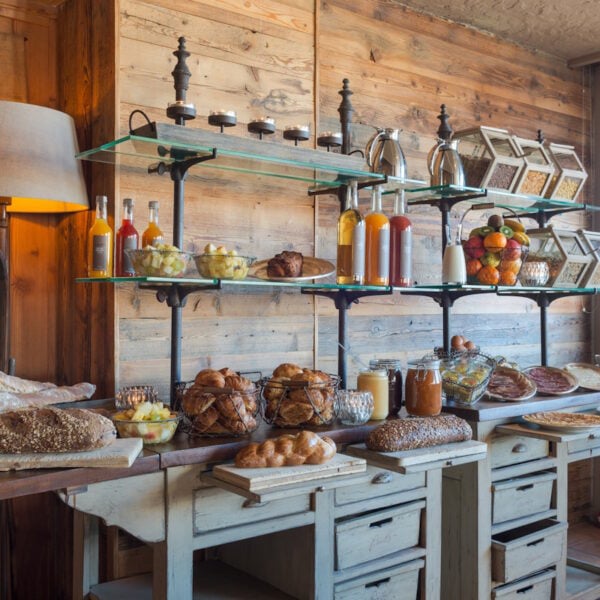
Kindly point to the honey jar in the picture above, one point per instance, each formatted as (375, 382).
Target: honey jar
(376, 382)
(423, 390)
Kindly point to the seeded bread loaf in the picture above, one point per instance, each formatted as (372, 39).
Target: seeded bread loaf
(418, 432)
(54, 430)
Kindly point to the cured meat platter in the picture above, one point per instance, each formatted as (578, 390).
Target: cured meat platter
(551, 381)
(510, 385)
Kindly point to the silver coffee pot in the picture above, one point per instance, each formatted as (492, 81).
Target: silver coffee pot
(443, 161)
(384, 154)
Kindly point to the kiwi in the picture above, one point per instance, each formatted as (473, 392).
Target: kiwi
(496, 221)
(506, 230)
(475, 232)
(483, 231)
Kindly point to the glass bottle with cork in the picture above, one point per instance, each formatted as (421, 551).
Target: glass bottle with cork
(377, 243)
(127, 238)
(400, 244)
(351, 240)
(100, 242)
(153, 234)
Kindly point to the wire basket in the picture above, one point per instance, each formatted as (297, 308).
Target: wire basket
(297, 404)
(212, 412)
(465, 376)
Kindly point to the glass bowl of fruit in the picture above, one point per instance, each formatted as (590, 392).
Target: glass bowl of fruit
(219, 263)
(151, 421)
(162, 260)
(465, 377)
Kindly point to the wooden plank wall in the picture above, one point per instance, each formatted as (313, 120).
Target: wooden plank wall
(287, 59)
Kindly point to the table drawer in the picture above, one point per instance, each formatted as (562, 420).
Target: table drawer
(380, 482)
(395, 583)
(376, 534)
(536, 587)
(527, 549)
(508, 450)
(214, 508)
(521, 496)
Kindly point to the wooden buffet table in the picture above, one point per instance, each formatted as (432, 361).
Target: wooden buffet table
(508, 512)
(372, 534)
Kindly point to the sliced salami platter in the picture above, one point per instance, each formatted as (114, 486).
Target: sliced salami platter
(551, 381)
(510, 385)
(587, 375)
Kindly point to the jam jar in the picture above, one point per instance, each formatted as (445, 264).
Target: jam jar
(423, 391)
(394, 373)
(376, 382)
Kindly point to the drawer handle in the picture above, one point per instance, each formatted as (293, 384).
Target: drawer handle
(525, 487)
(520, 448)
(382, 522)
(377, 583)
(535, 543)
(525, 589)
(382, 477)
(253, 503)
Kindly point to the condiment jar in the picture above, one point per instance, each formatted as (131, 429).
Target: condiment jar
(376, 382)
(394, 373)
(423, 393)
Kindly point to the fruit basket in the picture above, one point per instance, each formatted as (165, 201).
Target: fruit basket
(151, 421)
(465, 377)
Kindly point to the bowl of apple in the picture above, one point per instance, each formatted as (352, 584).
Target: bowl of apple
(217, 262)
(162, 260)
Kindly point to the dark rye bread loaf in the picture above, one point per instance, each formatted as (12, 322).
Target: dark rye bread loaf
(418, 432)
(54, 430)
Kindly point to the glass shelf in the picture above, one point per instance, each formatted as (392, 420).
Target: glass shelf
(332, 286)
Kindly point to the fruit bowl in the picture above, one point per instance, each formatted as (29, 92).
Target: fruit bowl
(466, 377)
(223, 266)
(159, 262)
(151, 421)
(493, 265)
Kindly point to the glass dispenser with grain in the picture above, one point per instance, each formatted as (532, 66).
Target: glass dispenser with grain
(490, 158)
(569, 176)
(539, 168)
(591, 242)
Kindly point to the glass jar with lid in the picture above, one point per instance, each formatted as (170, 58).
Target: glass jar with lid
(394, 374)
(490, 158)
(376, 382)
(569, 175)
(539, 168)
(423, 388)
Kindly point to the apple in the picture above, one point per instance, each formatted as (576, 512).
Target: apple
(512, 250)
(491, 259)
(474, 247)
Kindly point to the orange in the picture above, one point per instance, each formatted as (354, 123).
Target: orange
(494, 241)
(473, 266)
(488, 275)
(508, 278)
(511, 265)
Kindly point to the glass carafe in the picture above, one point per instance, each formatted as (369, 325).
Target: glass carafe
(454, 267)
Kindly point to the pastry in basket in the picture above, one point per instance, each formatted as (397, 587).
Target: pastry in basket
(304, 448)
(285, 264)
(221, 402)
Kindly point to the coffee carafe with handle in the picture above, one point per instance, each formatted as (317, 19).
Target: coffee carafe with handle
(443, 161)
(384, 154)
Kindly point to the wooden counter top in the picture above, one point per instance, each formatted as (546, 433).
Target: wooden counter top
(490, 410)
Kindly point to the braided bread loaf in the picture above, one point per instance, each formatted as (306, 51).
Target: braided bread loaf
(304, 448)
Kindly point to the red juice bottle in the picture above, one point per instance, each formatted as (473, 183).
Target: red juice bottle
(400, 244)
(127, 238)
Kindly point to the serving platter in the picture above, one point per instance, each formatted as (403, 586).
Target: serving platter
(545, 376)
(565, 422)
(512, 378)
(312, 268)
(587, 374)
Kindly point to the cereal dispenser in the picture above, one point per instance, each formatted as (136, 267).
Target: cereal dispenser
(569, 175)
(539, 168)
(591, 243)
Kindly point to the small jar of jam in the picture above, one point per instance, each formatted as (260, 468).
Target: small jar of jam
(423, 392)
(394, 373)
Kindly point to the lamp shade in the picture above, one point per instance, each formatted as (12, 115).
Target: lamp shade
(38, 168)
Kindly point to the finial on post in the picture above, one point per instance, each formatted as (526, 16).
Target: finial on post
(444, 130)
(345, 109)
(540, 136)
(181, 111)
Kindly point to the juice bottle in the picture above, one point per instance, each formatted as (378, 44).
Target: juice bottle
(351, 240)
(153, 234)
(100, 243)
(127, 238)
(377, 243)
(400, 244)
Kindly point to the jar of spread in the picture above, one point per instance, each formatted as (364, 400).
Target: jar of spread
(394, 373)
(376, 382)
(423, 392)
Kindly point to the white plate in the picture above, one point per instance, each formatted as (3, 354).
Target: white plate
(567, 427)
(574, 384)
(312, 268)
(580, 370)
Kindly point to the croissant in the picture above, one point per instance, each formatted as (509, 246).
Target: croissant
(304, 448)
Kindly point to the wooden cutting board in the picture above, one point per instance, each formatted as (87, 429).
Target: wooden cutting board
(260, 479)
(120, 453)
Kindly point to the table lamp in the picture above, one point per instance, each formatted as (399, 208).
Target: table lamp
(39, 174)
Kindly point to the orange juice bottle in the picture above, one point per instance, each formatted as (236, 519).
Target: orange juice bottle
(100, 243)
(377, 243)
(153, 234)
